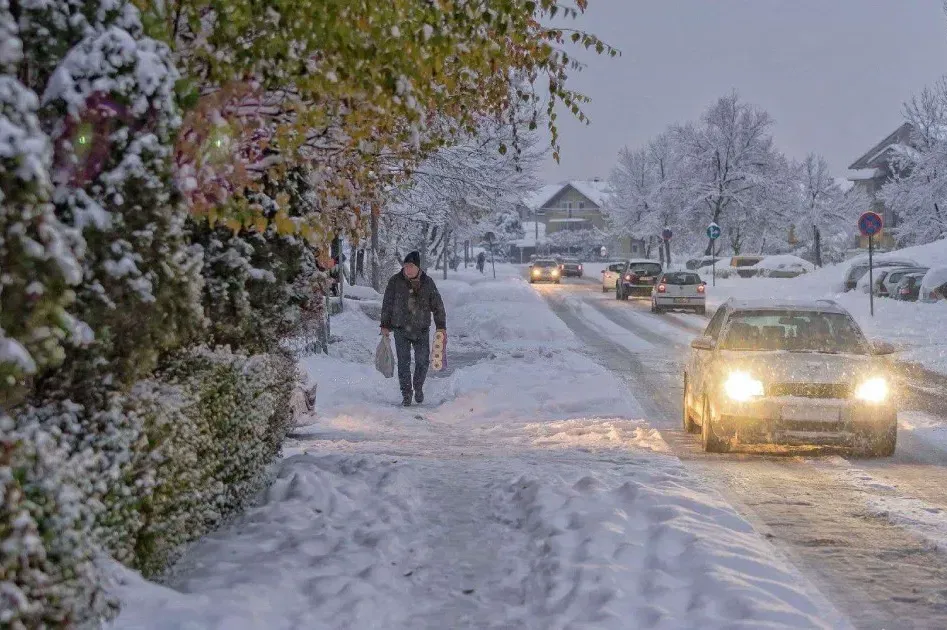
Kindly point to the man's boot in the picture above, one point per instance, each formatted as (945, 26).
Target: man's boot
(419, 396)
(406, 402)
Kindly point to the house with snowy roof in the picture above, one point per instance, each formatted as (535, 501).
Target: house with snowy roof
(572, 205)
(873, 170)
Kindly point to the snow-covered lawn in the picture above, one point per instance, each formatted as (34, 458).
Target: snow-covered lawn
(527, 492)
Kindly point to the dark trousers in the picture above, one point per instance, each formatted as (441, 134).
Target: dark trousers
(422, 358)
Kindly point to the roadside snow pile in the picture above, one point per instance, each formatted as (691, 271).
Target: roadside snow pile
(643, 547)
(359, 292)
(323, 549)
(506, 314)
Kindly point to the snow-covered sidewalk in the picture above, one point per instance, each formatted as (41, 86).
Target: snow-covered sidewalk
(527, 492)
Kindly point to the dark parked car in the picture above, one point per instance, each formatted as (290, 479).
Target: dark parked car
(909, 287)
(571, 268)
(638, 279)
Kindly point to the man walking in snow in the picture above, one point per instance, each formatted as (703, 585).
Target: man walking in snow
(411, 298)
(481, 261)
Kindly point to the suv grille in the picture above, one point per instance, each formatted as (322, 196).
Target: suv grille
(810, 390)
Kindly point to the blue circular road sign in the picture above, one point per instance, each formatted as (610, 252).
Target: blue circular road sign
(666, 234)
(870, 223)
(713, 231)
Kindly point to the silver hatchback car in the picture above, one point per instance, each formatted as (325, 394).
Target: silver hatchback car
(789, 373)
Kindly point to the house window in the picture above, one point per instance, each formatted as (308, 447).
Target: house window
(581, 205)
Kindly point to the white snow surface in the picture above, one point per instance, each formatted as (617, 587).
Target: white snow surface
(527, 492)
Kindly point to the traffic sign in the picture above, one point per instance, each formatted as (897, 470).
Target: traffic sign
(666, 234)
(603, 252)
(713, 231)
(870, 223)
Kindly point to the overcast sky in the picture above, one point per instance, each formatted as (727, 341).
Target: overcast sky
(834, 74)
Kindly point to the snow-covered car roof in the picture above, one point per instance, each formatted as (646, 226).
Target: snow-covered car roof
(784, 261)
(638, 261)
(774, 304)
(883, 260)
(934, 278)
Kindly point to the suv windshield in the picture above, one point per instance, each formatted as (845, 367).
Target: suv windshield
(645, 269)
(794, 331)
(681, 278)
(545, 263)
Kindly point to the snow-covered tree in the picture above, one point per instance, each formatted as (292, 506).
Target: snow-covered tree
(918, 189)
(825, 210)
(729, 164)
(462, 188)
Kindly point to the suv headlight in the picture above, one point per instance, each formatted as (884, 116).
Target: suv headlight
(741, 387)
(874, 390)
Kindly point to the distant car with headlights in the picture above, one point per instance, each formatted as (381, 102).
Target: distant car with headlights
(682, 290)
(570, 268)
(545, 270)
(638, 278)
(795, 373)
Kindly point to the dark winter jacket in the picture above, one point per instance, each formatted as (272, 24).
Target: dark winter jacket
(409, 304)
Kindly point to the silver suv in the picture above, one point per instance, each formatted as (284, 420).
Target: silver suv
(788, 373)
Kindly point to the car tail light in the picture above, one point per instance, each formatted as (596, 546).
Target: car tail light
(580, 267)
(904, 291)
(701, 288)
(662, 288)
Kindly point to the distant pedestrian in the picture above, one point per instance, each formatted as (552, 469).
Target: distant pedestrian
(481, 261)
(411, 299)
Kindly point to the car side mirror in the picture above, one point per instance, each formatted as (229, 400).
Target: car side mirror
(703, 343)
(882, 348)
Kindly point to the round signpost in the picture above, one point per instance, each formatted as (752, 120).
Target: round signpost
(666, 234)
(713, 233)
(870, 224)
(603, 252)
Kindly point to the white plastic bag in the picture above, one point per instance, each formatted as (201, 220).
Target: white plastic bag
(385, 358)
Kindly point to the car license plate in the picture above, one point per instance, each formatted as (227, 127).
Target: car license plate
(680, 300)
(646, 279)
(812, 414)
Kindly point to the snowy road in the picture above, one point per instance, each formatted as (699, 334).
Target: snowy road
(865, 531)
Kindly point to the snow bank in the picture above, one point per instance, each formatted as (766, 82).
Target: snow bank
(507, 314)
(323, 549)
(359, 292)
(646, 543)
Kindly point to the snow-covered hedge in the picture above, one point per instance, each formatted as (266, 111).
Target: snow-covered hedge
(178, 455)
(142, 389)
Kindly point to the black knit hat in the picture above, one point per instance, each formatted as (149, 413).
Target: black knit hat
(414, 258)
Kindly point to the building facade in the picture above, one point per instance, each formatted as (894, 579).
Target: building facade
(576, 206)
(873, 170)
